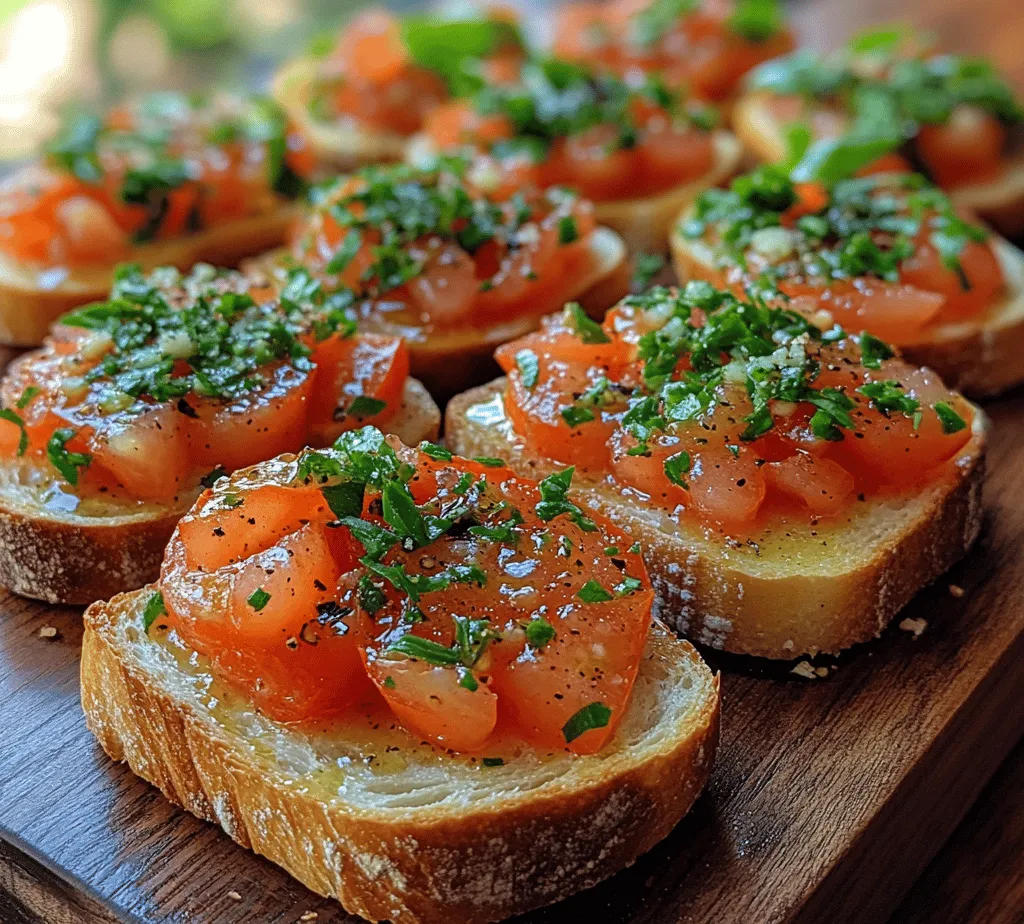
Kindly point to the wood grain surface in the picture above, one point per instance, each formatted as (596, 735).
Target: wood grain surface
(829, 800)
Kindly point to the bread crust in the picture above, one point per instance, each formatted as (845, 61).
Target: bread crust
(430, 865)
(31, 300)
(982, 357)
(341, 147)
(1000, 202)
(751, 599)
(449, 362)
(63, 558)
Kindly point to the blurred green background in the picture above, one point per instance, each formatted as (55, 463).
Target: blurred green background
(53, 52)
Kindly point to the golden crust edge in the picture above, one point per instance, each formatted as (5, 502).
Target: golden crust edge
(73, 561)
(409, 869)
(714, 602)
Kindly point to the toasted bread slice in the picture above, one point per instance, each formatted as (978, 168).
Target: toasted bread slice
(31, 300)
(453, 360)
(798, 587)
(1000, 202)
(404, 832)
(55, 549)
(981, 357)
(644, 224)
(344, 145)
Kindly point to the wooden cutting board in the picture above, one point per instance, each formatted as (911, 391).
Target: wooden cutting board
(829, 797)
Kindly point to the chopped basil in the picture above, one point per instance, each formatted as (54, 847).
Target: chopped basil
(554, 493)
(155, 608)
(593, 592)
(492, 762)
(438, 453)
(258, 599)
(627, 585)
(591, 716)
(586, 328)
(67, 463)
(363, 406)
(889, 396)
(539, 632)
(575, 414)
(873, 351)
(26, 397)
(389, 682)
(424, 649)
(951, 421)
(568, 233)
(757, 20)
(676, 466)
(489, 461)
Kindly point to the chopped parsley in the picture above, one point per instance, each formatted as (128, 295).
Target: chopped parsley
(258, 599)
(593, 592)
(66, 462)
(557, 99)
(586, 328)
(554, 493)
(399, 206)
(154, 609)
(591, 716)
(539, 632)
(867, 227)
(951, 421)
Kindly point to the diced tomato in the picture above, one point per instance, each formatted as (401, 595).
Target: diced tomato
(966, 296)
(372, 47)
(429, 701)
(968, 148)
(823, 485)
(258, 425)
(373, 366)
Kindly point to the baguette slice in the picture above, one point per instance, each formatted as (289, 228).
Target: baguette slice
(405, 832)
(644, 224)
(1000, 202)
(31, 300)
(796, 588)
(981, 357)
(450, 361)
(340, 146)
(78, 555)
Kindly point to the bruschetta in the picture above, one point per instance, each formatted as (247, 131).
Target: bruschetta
(109, 431)
(168, 180)
(792, 486)
(357, 660)
(952, 116)
(638, 152)
(706, 45)
(424, 255)
(886, 253)
(361, 98)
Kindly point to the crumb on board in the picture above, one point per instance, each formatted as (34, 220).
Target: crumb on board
(234, 896)
(821, 671)
(806, 670)
(48, 632)
(917, 626)
(309, 916)
(955, 590)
